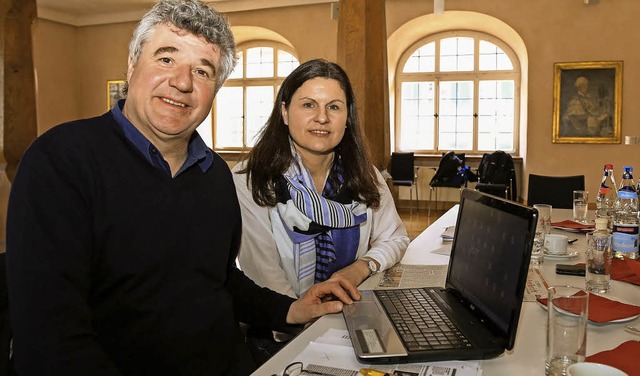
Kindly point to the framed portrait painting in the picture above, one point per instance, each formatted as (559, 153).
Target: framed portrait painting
(115, 92)
(587, 102)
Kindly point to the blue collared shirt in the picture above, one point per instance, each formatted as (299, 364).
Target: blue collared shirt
(197, 151)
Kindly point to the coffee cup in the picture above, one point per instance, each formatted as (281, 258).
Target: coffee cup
(556, 244)
(593, 369)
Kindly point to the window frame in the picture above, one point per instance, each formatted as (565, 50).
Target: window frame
(475, 76)
(275, 81)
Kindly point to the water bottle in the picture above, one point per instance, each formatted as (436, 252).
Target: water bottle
(607, 193)
(625, 218)
(598, 258)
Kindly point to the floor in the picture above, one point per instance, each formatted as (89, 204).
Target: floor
(416, 221)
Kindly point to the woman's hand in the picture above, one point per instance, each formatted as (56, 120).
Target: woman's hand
(355, 273)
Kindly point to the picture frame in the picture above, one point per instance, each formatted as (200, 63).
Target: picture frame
(587, 102)
(115, 92)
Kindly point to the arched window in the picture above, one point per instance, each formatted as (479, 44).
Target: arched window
(242, 106)
(457, 91)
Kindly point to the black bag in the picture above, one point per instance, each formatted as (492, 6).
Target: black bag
(451, 171)
(498, 168)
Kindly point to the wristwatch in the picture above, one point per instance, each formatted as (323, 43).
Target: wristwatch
(373, 264)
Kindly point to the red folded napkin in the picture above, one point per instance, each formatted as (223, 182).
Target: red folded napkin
(624, 357)
(601, 309)
(573, 225)
(627, 270)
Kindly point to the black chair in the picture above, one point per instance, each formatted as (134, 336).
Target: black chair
(403, 173)
(556, 191)
(451, 173)
(497, 175)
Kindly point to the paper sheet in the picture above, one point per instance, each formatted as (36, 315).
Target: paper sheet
(411, 276)
(536, 286)
(334, 348)
(444, 250)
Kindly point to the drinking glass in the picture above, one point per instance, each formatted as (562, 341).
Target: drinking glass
(598, 257)
(543, 227)
(580, 201)
(568, 312)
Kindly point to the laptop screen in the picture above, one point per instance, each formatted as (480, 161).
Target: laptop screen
(493, 237)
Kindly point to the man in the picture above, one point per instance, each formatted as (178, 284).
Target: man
(123, 229)
(586, 116)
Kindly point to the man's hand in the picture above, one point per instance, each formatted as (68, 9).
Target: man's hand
(322, 298)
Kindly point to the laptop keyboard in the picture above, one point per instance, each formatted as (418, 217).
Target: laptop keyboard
(419, 321)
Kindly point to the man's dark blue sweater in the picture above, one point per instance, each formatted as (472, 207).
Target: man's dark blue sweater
(115, 267)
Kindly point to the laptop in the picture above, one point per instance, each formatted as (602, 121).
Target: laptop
(476, 313)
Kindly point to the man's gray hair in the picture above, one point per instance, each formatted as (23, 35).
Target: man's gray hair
(195, 17)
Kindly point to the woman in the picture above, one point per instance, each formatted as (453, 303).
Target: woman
(313, 205)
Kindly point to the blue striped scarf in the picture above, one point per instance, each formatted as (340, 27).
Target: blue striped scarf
(310, 219)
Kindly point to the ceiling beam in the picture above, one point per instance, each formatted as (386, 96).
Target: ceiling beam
(78, 17)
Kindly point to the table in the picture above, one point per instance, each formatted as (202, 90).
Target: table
(527, 356)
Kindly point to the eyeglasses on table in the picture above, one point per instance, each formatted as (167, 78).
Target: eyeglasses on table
(297, 369)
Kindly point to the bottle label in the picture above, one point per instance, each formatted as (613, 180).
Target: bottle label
(604, 190)
(627, 194)
(625, 238)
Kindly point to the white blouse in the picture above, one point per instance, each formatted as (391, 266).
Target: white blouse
(266, 252)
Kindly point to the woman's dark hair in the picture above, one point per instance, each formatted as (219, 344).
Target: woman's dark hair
(271, 156)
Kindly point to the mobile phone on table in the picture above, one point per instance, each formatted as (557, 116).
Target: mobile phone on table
(570, 269)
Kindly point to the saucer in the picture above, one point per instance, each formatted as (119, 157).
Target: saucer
(544, 306)
(624, 319)
(565, 256)
(587, 368)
